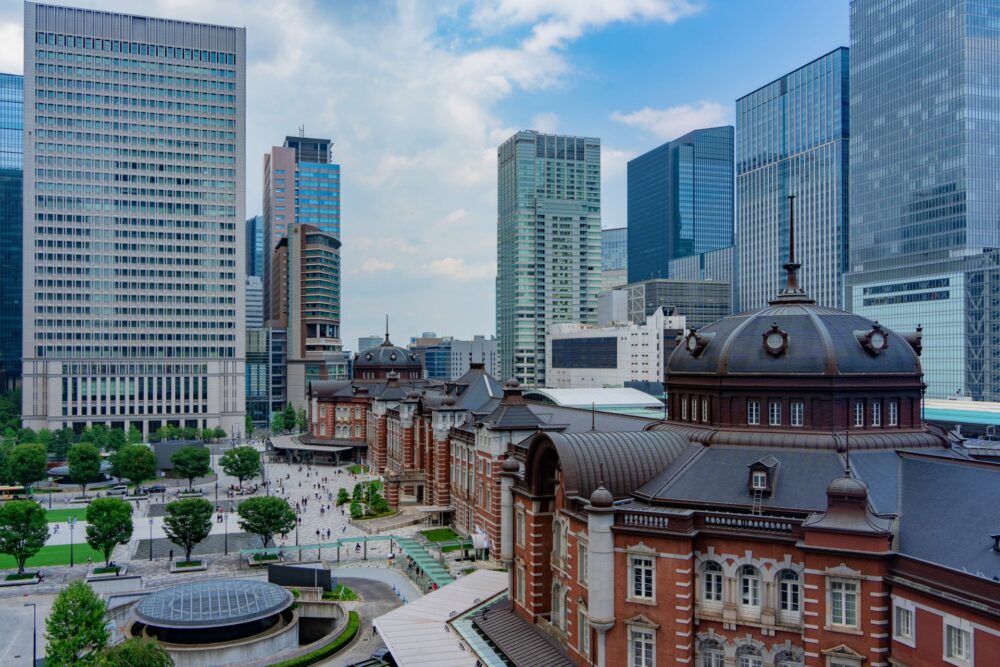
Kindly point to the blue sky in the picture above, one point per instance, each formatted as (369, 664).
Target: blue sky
(418, 94)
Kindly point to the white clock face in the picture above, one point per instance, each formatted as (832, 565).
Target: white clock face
(692, 343)
(877, 340)
(775, 340)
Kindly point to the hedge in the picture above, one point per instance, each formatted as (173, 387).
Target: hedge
(342, 640)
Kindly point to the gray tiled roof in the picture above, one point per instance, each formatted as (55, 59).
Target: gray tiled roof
(521, 642)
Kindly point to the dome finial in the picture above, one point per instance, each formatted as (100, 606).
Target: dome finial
(792, 293)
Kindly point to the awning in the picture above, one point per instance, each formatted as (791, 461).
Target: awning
(418, 634)
(298, 446)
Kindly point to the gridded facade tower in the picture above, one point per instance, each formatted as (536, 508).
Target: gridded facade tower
(548, 243)
(792, 138)
(925, 159)
(134, 209)
(255, 246)
(11, 175)
(680, 201)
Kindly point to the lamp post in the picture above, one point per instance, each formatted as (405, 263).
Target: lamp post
(216, 490)
(34, 632)
(297, 533)
(226, 538)
(72, 525)
(150, 538)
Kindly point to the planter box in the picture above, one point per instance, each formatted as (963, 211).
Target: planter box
(94, 575)
(190, 494)
(31, 581)
(175, 567)
(253, 562)
(80, 501)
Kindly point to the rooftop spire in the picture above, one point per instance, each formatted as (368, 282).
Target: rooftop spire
(792, 291)
(387, 330)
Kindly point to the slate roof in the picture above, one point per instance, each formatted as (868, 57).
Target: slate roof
(387, 354)
(524, 644)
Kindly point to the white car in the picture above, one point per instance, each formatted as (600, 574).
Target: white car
(119, 490)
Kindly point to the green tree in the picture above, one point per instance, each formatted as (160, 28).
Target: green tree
(188, 522)
(26, 464)
(265, 517)
(23, 530)
(96, 435)
(137, 463)
(218, 433)
(241, 462)
(62, 440)
(342, 496)
(44, 438)
(10, 410)
(191, 462)
(188, 433)
(26, 435)
(248, 424)
(109, 523)
(277, 423)
(115, 440)
(134, 436)
(135, 652)
(75, 627)
(7, 445)
(301, 422)
(84, 464)
(288, 418)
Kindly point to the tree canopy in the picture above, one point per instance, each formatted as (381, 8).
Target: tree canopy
(241, 462)
(136, 463)
(109, 523)
(75, 627)
(135, 652)
(26, 464)
(188, 522)
(84, 464)
(23, 530)
(191, 463)
(266, 517)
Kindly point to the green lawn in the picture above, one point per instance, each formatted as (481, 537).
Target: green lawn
(57, 554)
(440, 534)
(54, 516)
(357, 470)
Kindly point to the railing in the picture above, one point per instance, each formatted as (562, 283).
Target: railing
(642, 520)
(751, 523)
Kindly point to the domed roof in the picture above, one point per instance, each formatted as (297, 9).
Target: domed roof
(794, 336)
(387, 354)
(847, 486)
(601, 497)
(213, 603)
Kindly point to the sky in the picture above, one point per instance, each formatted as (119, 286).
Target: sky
(418, 95)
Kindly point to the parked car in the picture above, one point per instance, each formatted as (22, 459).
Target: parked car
(119, 490)
(155, 488)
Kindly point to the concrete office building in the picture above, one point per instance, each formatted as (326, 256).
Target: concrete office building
(578, 355)
(701, 302)
(133, 299)
(368, 342)
(925, 153)
(612, 307)
(11, 183)
(548, 244)
(614, 257)
(305, 277)
(680, 201)
(479, 350)
(255, 246)
(792, 138)
(300, 185)
(255, 302)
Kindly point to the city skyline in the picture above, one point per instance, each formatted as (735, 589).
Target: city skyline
(486, 73)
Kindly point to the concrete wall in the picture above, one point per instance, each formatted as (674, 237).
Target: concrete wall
(260, 647)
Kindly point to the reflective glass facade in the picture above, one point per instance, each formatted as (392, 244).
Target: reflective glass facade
(792, 138)
(925, 161)
(680, 201)
(548, 244)
(134, 209)
(11, 176)
(614, 249)
(255, 246)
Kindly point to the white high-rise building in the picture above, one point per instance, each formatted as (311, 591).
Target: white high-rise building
(255, 302)
(134, 221)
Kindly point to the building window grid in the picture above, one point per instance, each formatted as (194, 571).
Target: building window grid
(774, 413)
(876, 413)
(957, 643)
(642, 587)
(844, 603)
(902, 622)
(797, 413)
(893, 413)
(712, 582)
(753, 412)
(859, 413)
(642, 651)
(749, 587)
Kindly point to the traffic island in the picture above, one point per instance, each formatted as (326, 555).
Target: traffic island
(25, 579)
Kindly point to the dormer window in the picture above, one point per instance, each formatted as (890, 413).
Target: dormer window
(758, 480)
(763, 474)
(996, 541)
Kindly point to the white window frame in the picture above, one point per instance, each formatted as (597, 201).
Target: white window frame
(797, 413)
(519, 521)
(583, 632)
(694, 408)
(758, 480)
(774, 413)
(751, 661)
(711, 657)
(521, 583)
(647, 656)
(904, 632)
(789, 594)
(893, 413)
(684, 408)
(845, 589)
(952, 624)
(859, 414)
(583, 559)
(704, 410)
(645, 562)
(750, 588)
(753, 412)
(712, 588)
(876, 413)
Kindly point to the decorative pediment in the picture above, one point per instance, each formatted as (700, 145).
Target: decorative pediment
(843, 571)
(641, 548)
(642, 619)
(843, 651)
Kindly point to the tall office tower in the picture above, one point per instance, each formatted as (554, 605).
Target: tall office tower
(255, 302)
(300, 185)
(792, 138)
(133, 204)
(255, 246)
(368, 342)
(548, 244)
(925, 154)
(306, 298)
(680, 201)
(614, 257)
(11, 177)
(258, 376)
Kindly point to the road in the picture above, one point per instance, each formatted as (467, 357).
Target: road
(377, 599)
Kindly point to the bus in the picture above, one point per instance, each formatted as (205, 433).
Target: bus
(13, 493)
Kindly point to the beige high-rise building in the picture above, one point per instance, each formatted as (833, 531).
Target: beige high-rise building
(134, 221)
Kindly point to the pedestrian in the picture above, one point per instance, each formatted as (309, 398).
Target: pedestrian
(172, 554)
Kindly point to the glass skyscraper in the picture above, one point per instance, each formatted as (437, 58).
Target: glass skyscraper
(548, 244)
(925, 163)
(11, 175)
(792, 138)
(255, 246)
(680, 201)
(134, 221)
(614, 249)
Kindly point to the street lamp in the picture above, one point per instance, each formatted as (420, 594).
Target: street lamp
(226, 538)
(150, 538)
(34, 632)
(297, 532)
(72, 525)
(216, 490)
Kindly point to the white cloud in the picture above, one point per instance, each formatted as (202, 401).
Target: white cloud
(545, 122)
(672, 122)
(375, 265)
(457, 269)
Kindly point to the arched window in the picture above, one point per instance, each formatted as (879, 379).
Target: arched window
(558, 547)
(710, 654)
(558, 606)
(749, 656)
(789, 592)
(711, 588)
(787, 659)
(749, 587)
